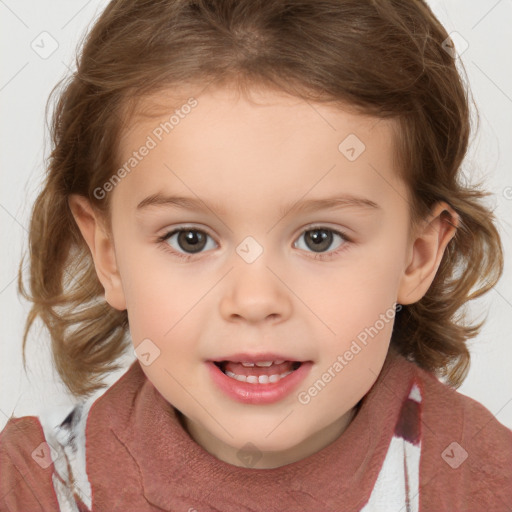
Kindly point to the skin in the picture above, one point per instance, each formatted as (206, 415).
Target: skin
(252, 158)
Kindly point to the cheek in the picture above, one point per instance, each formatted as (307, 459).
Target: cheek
(158, 295)
(354, 296)
(360, 309)
(164, 310)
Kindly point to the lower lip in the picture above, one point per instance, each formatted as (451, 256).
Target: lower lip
(258, 393)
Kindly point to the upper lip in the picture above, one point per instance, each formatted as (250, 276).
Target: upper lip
(254, 358)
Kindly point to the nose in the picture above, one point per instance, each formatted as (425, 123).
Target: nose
(254, 294)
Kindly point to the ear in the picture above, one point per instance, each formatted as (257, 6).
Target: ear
(426, 252)
(102, 249)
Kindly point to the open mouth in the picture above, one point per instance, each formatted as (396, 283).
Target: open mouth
(261, 372)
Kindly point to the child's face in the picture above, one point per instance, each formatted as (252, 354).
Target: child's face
(256, 285)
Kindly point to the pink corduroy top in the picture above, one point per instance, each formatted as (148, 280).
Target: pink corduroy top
(135, 455)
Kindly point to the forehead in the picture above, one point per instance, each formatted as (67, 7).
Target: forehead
(223, 144)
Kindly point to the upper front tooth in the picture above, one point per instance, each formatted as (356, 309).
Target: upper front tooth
(248, 365)
(264, 363)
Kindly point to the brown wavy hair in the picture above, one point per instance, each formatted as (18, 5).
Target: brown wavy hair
(386, 58)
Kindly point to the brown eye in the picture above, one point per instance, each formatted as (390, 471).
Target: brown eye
(191, 241)
(187, 241)
(320, 240)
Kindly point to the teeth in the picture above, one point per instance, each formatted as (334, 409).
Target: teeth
(262, 379)
(265, 364)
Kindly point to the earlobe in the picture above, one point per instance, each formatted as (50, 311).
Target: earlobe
(101, 247)
(426, 253)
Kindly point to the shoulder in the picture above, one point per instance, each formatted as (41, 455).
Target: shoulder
(113, 408)
(43, 458)
(25, 467)
(466, 451)
(42, 462)
(463, 416)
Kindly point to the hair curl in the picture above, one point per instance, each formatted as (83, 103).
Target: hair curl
(383, 57)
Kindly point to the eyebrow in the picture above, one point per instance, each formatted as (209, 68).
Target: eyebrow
(191, 203)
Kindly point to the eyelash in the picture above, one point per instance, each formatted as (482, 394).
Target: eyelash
(162, 242)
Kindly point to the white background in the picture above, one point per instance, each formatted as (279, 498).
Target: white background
(26, 80)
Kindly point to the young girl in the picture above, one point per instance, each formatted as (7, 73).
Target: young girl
(262, 201)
